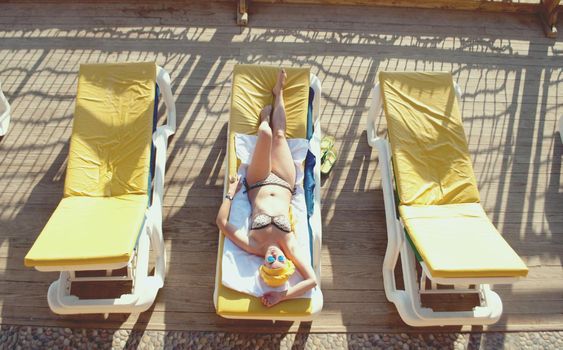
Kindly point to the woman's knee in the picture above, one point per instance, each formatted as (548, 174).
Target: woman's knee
(264, 129)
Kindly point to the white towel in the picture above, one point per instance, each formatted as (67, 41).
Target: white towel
(239, 268)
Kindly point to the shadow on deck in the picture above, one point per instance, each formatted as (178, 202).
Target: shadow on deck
(512, 79)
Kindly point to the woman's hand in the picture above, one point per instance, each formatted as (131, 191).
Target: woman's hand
(270, 299)
(234, 185)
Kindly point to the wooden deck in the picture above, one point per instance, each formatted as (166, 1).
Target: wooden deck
(512, 77)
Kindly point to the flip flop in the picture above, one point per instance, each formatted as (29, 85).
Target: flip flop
(328, 161)
(326, 144)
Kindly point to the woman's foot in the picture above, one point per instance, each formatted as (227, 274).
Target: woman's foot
(265, 114)
(278, 88)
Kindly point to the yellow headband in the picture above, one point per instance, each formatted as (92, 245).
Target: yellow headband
(277, 277)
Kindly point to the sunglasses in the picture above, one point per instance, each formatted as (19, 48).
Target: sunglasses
(271, 259)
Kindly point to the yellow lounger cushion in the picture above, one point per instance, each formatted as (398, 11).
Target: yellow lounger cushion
(252, 90)
(430, 154)
(232, 303)
(111, 135)
(89, 231)
(439, 199)
(458, 240)
(107, 179)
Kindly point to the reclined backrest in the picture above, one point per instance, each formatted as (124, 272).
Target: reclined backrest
(252, 90)
(428, 143)
(111, 135)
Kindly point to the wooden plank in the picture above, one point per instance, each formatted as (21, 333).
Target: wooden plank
(468, 5)
(510, 75)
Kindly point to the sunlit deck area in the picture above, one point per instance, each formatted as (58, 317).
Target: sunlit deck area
(512, 81)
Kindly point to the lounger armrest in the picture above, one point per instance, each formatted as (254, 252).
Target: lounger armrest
(163, 81)
(374, 111)
(160, 141)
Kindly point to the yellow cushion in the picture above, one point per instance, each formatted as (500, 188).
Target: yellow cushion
(439, 199)
(430, 154)
(458, 240)
(252, 90)
(107, 177)
(111, 135)
(232, 304)
(90, 230)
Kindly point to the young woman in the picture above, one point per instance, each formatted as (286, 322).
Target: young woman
(270, 184)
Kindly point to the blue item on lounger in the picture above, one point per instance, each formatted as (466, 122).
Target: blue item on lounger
(309, 175)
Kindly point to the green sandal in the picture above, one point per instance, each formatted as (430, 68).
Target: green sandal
(328, 161)
(326, 144)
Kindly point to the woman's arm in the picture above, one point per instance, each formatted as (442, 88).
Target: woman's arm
(304, 267)
(228, 229)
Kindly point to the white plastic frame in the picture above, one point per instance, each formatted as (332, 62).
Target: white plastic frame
(316, 224)
(4, 113)
(144, 287)
(408, 301)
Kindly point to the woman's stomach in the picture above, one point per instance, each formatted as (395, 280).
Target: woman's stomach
(271, 200)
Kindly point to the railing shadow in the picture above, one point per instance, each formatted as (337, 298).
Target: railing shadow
(511, 81)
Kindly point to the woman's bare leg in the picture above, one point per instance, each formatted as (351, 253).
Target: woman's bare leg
(282, 161)
(260, 165)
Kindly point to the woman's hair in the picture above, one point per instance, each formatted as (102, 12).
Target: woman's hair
(277, 277)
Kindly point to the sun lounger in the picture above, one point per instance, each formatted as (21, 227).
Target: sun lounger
(110, 216)
(252, 87)
(432, 204)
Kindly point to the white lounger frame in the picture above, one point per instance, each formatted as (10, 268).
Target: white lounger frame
(4, 113)
(317, 299)
(144, 287)
(408, 301)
